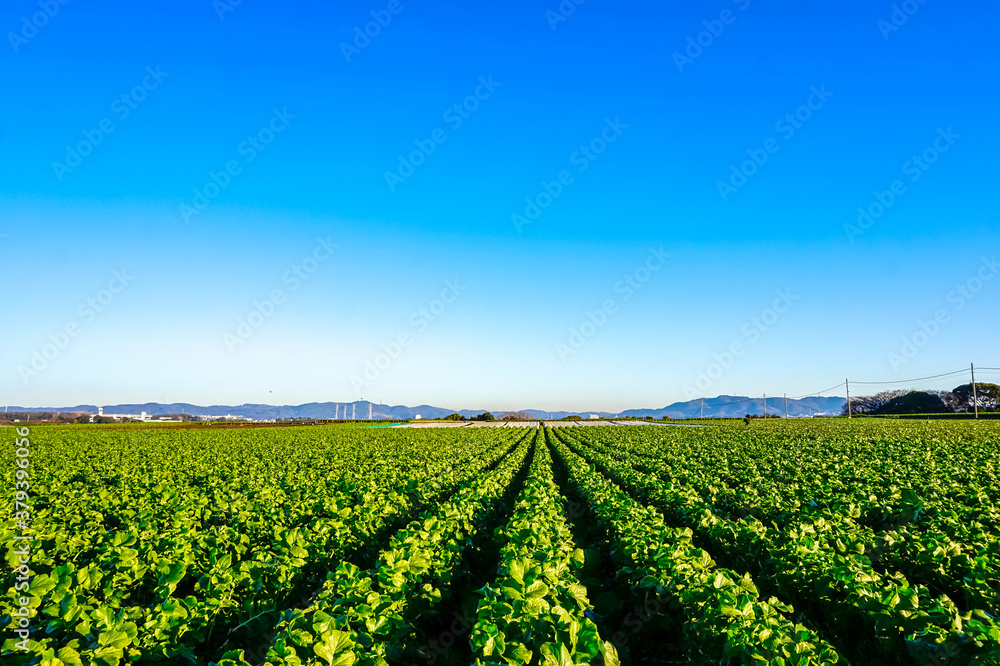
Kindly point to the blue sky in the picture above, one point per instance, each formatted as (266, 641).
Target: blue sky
(556, 161)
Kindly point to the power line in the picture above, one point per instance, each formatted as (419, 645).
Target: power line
(810, 395)
(750, 399)
(838, 385)
(906, 381)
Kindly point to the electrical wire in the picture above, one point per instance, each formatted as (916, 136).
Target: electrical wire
(906, 381)
(810, 395)
(750, 400)
(840, 384)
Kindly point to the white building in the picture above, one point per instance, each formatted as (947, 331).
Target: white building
(142, 416)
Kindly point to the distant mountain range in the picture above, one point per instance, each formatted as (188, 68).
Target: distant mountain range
(720, 406)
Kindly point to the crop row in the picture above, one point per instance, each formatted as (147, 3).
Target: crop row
(949, 547)
(363, 616)
(821, 565)
(936, 489)
(724, 614)
(146, 590)
(536, 610)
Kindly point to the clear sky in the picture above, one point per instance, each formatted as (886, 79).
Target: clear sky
(544, 206)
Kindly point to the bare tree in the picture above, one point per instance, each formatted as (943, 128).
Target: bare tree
(987, 395)
(870, 404)
(517, 416)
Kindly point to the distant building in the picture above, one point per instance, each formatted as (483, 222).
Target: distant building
(594, 416)
(142, 416)
(417, 417)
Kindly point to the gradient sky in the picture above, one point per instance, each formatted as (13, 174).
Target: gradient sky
(890, 92)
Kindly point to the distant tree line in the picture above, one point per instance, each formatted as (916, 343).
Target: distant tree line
(38, 417)
(957, 400)
(55, 417)
(485, 416)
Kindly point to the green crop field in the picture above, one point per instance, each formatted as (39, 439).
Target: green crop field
(784, 542)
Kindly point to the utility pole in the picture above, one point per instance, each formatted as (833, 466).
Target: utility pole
(702, 408)
(786, 404)
(354, 407)
(975, 400)
(369, 410)
(336, 412)
(847, 385)
(765, 405)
